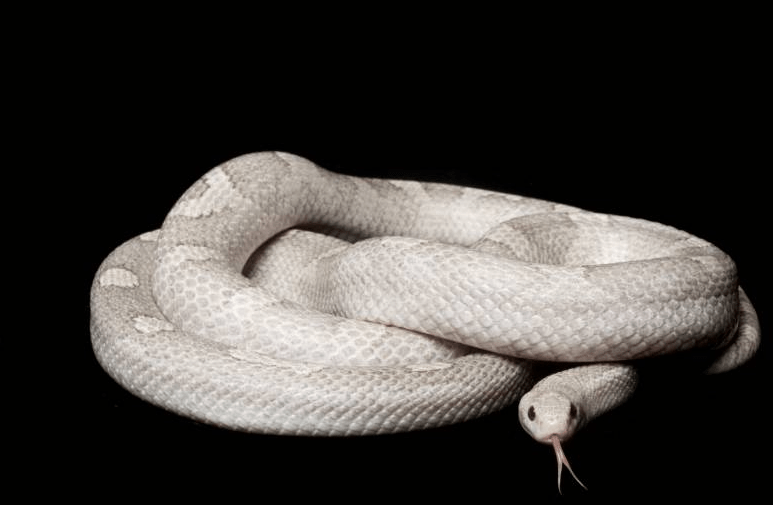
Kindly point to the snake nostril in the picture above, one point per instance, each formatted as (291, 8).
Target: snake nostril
(532, 414)
(572, 411)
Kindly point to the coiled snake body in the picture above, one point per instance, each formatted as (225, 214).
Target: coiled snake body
(422, 305)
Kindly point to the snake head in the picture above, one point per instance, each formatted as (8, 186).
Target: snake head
(550, 417)
(549, 414)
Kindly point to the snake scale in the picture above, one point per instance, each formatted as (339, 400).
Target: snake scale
(278, 297)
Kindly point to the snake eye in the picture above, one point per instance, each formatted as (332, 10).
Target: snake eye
(531, 413)
(572, 411)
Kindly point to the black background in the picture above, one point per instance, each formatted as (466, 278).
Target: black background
(668, 134)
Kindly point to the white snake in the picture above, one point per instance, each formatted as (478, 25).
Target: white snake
(435, 321)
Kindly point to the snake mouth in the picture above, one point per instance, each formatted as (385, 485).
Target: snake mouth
(550, 439)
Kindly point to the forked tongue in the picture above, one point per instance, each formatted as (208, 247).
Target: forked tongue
(563, 462)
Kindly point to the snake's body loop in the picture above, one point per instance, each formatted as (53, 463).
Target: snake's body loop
(431, 319)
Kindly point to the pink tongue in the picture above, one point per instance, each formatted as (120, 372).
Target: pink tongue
(563, 462)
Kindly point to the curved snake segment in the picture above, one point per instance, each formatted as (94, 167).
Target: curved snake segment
(362, 348)
(246, 390)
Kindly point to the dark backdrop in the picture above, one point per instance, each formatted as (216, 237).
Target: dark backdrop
(124, 140)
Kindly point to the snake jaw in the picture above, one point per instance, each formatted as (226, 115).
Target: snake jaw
(563, 462)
